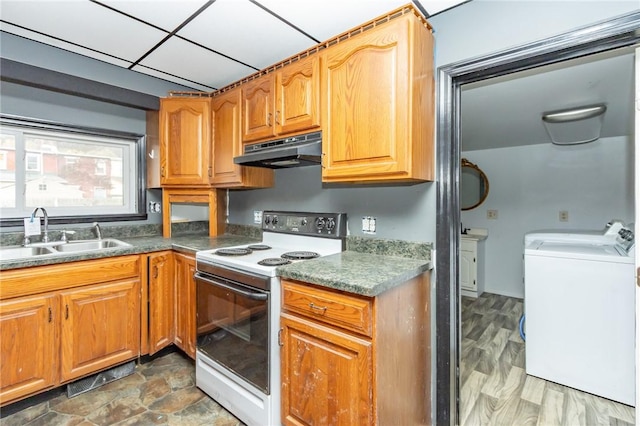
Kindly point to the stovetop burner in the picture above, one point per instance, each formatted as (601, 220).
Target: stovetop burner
(274, 261)
(300, 255)
(240, 251)
(259, 247)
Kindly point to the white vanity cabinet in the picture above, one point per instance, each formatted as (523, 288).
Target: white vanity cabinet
(472, 265)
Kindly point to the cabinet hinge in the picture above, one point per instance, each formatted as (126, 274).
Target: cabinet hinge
(209, 171)
(50, 315)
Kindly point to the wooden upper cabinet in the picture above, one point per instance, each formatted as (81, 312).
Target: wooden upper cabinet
(298, 96)
(378, 115)
(227, 143)
(258, 104)
(30, 347)
(283, 102)
(185, 130)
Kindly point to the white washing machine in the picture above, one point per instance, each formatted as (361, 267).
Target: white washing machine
(580, 310)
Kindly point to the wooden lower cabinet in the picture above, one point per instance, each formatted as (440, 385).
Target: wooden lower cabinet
(161, 294)
(355, 360)
(185, 268)
(62, 322)
(327, 375)
(100, 327)
(29, 344)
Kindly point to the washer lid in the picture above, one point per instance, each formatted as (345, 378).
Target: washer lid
(575, 250)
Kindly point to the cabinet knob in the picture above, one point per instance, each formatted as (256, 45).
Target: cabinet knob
(269, 115)
(277, 117)
(280, 342)
(162, 171)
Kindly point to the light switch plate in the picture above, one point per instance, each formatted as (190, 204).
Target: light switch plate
(257, 216)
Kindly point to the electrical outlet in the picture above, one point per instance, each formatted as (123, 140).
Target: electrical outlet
(492, 214)
(368, 225)
(563, 216)
(257, 216)
(154, 207)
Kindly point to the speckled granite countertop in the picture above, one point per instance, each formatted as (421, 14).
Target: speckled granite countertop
(185, 244)
(355, 272)
(369, 267)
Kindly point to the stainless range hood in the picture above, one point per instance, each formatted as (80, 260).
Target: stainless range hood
(295, 151)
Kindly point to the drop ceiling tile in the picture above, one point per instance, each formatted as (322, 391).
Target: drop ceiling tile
(195, 63)
(85, 23)
(244, 31)
(172, 78)
(324, 19)
(166, 14)
(63, 45)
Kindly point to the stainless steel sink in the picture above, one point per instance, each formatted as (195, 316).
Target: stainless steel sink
(90, 245)
(20, 252)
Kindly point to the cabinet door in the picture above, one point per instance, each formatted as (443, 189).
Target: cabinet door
(186, 304)
(365, 117)
(257, 109)
(28, 338)
(326, 375)
(100, 327)
(184, 141)
(225, 110)
(226, 119)
(298, 96)
(161, 301)
(468, 268)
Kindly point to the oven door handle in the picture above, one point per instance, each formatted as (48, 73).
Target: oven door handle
(249, 294)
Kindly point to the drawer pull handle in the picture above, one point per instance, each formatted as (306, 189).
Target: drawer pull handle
(318, 308)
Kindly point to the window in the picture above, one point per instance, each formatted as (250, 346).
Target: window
(32, 161)
(71, 172)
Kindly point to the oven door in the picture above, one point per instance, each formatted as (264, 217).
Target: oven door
(233, 327)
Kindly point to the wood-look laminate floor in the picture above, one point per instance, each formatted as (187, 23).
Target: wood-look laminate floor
(494, 388)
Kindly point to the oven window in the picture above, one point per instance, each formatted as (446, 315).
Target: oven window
(233, 329)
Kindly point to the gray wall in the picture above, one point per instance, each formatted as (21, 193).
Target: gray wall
(529, 185)
(401, 211)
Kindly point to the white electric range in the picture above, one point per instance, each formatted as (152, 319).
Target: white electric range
(238, 310)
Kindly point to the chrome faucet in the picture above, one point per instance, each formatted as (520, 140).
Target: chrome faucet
(45, 237)
(96, 228)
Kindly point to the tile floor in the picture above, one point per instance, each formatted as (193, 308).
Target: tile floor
(160, 392)
(495, 390)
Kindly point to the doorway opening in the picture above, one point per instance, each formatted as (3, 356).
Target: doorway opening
(602, 37)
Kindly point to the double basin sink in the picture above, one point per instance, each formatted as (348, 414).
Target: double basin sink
(59, 247)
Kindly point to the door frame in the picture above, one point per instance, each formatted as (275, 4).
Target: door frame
(618, 32)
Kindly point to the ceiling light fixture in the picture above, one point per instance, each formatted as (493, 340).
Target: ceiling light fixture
(574, 126)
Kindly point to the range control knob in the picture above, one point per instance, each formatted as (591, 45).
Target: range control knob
(267, 219)
(320, 223)
(304, 222)
(331, 224)
(274, 220)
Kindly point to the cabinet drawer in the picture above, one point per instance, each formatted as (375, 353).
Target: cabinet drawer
(341, 310)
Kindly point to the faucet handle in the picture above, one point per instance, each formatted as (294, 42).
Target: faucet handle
(64, 235)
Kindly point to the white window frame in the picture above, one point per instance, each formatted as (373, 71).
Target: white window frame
(133, 168)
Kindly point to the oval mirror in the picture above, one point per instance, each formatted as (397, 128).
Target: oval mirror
(474, 185)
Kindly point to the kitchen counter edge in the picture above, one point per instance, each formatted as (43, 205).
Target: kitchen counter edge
(365, 274)
(139, 245)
